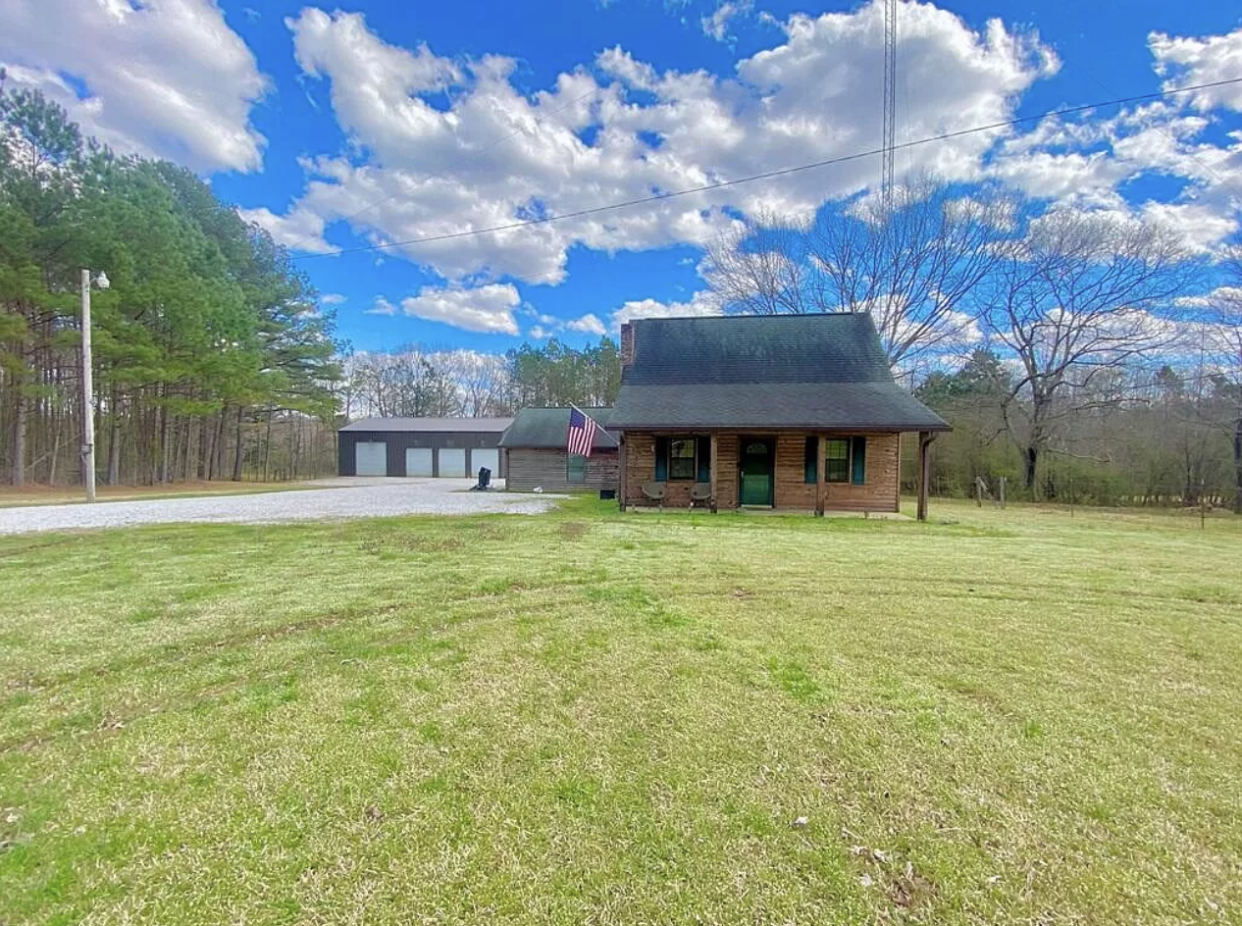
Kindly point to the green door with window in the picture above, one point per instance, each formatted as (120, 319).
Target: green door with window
(757, 465)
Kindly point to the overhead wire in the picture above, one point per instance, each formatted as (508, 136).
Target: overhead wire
(772, 174)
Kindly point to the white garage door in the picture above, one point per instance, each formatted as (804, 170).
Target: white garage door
(371, 458)
(485, 457)
(452, 461)
(418, 461)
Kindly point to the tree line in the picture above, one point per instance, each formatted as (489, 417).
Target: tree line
(212, 358)
(1138, 436)
(416, 381)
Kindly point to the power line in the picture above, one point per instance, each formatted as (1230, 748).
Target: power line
(770, 175)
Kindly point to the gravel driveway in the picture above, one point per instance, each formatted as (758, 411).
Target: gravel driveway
(330, 499)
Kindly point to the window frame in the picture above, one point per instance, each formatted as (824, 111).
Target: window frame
(850, 466)
(693, 458)
(846, 461)
(569, 469)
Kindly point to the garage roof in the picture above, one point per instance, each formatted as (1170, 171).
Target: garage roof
(548, 429)
(438, 425)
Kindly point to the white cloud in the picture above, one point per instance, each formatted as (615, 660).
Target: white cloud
(1220, 296)
(1086, 161)
(382, 307)
(376, 87)
(1201, 227)
(538, 332)
(440, 147)
(332, 298)
(587, 324)
(716, 25)
(299, 230)
(165, 78)
(484, 308)
(701, 303)
(1189, 61)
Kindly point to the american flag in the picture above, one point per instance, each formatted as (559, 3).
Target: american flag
(581, 434)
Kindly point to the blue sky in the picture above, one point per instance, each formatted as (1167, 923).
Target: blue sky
(383, 120)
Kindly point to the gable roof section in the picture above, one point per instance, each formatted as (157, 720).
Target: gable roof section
(771, 371)
(547, 429)
(430, 425)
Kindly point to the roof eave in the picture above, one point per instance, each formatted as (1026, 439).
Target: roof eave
(898, 428)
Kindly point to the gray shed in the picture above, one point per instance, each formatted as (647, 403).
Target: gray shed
(442, 447)
(536, 455)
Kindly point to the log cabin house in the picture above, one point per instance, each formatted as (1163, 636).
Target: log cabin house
(796, 412)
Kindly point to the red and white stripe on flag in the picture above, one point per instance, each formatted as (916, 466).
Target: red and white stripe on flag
(581, 437)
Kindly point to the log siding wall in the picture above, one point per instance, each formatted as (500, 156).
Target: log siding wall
(546, 468)
(879, 492)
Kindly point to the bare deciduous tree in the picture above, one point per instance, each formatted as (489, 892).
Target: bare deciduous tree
(1225, 326)
(912, 266)
(481, 381)
(1073, 300)
(416, 382)
(404, 384)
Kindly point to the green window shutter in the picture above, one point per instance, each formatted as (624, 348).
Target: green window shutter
(705, 459)
(811, 460)
(661, 452)
(860, 461)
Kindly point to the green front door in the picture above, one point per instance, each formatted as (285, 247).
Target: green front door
(757, 467)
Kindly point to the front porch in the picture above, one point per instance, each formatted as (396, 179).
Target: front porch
(780, 470)
(779, 512)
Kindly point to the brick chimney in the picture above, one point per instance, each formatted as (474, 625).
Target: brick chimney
(627, 345)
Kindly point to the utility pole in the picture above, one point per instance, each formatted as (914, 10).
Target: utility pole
(88, 391)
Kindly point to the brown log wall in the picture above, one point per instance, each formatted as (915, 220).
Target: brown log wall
(878, 493)
(529, 468)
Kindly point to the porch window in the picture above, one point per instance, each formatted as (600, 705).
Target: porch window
(846, 460)
(575, 469)
(687, 458)
(837, 460)
(681, 458)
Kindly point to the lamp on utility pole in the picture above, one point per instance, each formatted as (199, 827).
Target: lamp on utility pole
(88, 385)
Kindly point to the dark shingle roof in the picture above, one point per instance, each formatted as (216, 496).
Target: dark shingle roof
(438, 425)
(806, 371)
(546, 429)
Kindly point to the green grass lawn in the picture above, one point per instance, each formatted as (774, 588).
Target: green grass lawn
(998, 717)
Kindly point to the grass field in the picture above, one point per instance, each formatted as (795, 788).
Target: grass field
(998, 717)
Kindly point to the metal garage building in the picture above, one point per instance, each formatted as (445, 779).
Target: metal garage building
(421, 447)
